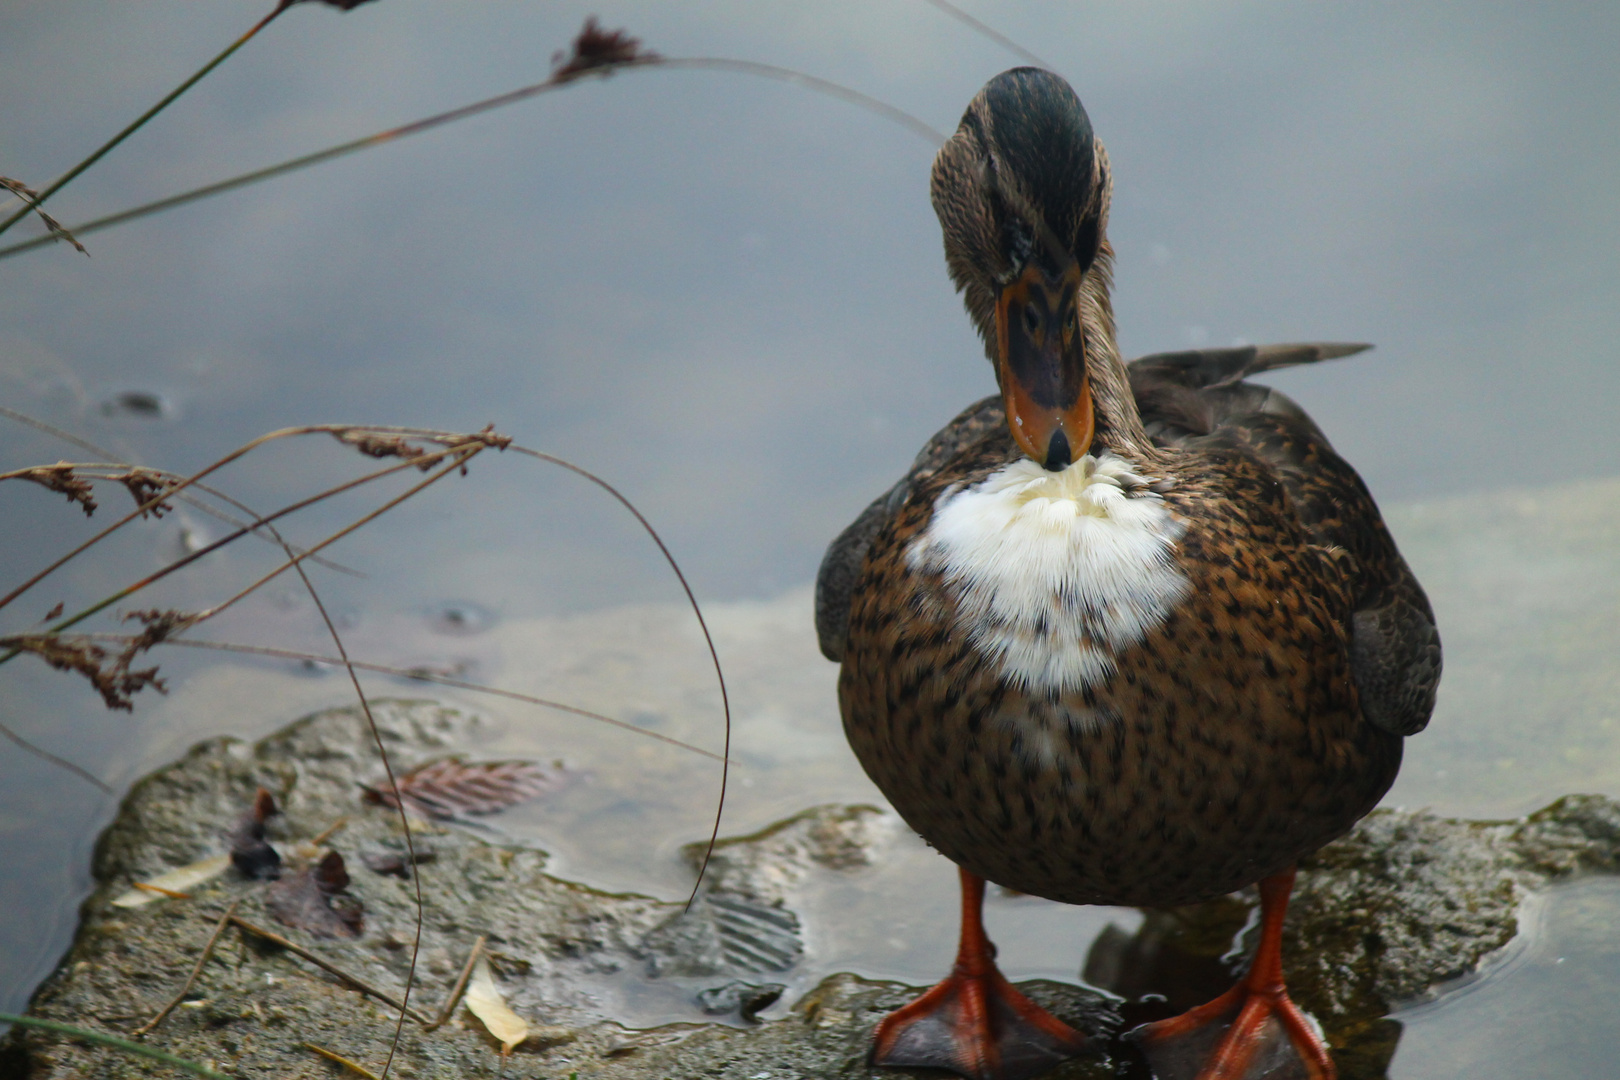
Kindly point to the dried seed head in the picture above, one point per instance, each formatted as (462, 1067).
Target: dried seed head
(62, 478)
(596, 49)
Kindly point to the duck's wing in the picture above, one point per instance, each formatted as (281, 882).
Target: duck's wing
(841, 565)
(1199, 399)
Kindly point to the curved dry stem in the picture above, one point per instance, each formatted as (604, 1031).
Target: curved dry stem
(454, 439)
(459, 458)
(46, 755)
(190, 500)
(987, 31)
(138, 123)
(691, 598)
(404, 818)
(744, 67)
(421, 676)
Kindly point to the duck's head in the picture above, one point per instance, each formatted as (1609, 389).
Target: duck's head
(1022, 192)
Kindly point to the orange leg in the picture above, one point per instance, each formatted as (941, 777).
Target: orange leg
(975, 1023)
(1258, 1011)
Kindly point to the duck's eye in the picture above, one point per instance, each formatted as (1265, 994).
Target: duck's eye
(1032, 321)
(1071, 325)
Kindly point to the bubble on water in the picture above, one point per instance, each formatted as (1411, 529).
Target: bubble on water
(461, 618)
(139, 404)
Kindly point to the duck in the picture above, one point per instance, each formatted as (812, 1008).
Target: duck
(1125, 634)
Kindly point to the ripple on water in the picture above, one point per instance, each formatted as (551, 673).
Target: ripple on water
(1545, 1011)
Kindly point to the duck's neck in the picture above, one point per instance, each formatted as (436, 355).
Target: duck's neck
(1119, 423)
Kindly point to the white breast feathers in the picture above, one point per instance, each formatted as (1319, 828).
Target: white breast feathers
(1052, 574)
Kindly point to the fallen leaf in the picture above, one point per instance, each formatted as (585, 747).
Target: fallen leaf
(311, 899)
(251, 853)
(450, 787)
(485, 1002)
(181, 880)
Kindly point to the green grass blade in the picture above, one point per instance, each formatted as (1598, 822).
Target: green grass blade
(115, 1042)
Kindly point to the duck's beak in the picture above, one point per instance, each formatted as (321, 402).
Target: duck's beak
(1041, 366)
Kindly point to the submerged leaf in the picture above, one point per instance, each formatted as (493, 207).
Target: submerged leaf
(485, 1002)
(310, 899)
(186, 877)
(450, 787)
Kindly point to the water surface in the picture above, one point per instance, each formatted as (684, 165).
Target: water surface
(727, 297)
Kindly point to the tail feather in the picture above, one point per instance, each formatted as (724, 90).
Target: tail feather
(1211, 368)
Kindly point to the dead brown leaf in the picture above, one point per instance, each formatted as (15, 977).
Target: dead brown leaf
(311, 899)
(251, 853)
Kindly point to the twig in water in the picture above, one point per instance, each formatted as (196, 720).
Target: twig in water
(191, 980)
(326, 965)
(112, 1040)
(460, 988)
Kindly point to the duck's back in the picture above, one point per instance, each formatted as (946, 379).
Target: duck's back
(1170, 734)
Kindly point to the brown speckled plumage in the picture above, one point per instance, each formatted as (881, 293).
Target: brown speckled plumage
(1258, 721)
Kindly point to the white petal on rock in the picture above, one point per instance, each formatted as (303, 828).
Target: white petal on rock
(186, 877)
(485, 1001)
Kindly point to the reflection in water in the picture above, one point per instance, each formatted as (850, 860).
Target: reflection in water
(1543, 1009)
(1182, 957)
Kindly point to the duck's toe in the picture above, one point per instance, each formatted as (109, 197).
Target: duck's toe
(979, 1026)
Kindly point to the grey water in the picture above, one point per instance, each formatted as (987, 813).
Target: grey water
(727, 297)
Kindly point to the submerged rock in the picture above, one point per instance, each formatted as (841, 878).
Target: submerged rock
(1396, 910)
